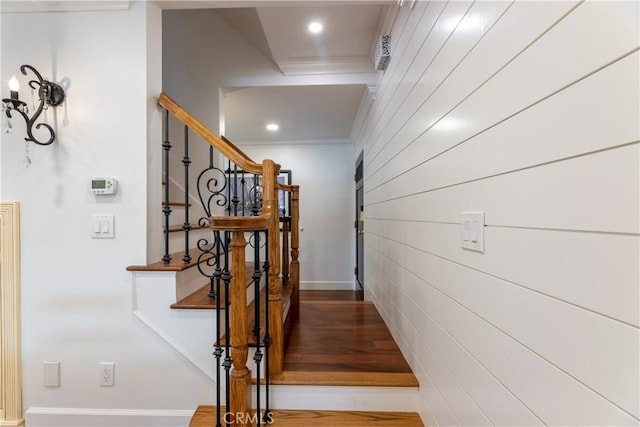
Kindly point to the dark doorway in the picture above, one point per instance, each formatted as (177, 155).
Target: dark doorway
(359, 226)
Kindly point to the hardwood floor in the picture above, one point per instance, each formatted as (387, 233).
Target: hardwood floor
(341, 341)
(337, 333)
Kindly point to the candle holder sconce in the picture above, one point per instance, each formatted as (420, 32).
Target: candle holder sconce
(50, 95)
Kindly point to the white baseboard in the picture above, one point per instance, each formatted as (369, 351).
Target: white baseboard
(327, 286)
(82, 417)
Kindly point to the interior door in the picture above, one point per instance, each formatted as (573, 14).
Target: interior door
(359, 226)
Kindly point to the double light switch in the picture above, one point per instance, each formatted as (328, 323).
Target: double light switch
(103, 226)
(473, 231)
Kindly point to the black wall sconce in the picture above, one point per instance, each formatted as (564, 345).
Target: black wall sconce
(50, 94)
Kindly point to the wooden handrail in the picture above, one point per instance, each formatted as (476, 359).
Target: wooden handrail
(239, 223)
(236, 149)
(222, 145)
(286, 187)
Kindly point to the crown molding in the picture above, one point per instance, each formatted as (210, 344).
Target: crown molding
(297, 143)
(347, 65)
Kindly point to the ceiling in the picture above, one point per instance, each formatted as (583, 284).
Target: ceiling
(317, 111)
(303, 113)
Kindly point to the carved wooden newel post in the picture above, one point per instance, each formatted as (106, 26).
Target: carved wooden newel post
(240, 375)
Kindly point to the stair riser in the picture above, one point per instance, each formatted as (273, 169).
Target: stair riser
(177, 241)
(177, 217)
(341, 398)
(338, 398)
(188, 281)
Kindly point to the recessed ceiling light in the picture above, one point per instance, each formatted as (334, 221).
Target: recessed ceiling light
(272, 127)
(315, 27)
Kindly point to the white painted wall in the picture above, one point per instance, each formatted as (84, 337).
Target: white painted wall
(528, 111)
(324, 173)
(76, 294)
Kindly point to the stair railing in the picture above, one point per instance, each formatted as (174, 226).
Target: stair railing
(232, 210)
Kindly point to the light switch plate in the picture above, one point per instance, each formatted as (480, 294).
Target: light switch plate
(472, 231)
(102, 226)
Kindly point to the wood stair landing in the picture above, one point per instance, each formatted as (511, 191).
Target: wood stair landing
(205, 417)
(339, 341)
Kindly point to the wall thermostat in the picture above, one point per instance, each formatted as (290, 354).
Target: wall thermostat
(104, 186)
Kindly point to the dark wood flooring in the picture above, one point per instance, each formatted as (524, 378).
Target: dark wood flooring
(342, 341)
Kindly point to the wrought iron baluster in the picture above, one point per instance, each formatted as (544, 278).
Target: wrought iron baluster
(229, 189)
(218, 350)
(257, 324)
(268, 416)
(212, 192)
(166, 209)
(226, 277)
(186, 226)
(243, 186)
(235, 199)
(255, 209)
(217, 273)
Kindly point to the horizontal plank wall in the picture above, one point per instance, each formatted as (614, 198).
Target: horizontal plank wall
(528, 111)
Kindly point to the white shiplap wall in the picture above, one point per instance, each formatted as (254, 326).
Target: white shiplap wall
(530, 112)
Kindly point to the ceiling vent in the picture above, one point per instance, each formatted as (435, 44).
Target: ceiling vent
(383, 54)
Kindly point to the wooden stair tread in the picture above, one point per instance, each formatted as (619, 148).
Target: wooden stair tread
(352, 379)
(199, 300)
(178, 204)
(205, 416)
(176, 263)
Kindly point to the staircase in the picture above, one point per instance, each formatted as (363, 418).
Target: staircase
(228, 281)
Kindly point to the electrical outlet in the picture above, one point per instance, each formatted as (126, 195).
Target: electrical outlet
(107, 373)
